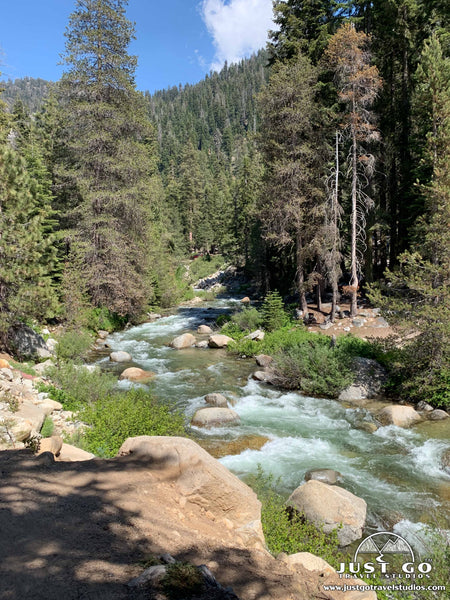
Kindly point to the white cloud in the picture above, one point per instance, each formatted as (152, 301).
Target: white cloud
(238, 27)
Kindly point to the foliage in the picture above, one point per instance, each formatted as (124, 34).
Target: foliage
(241, 322)
(286, 530)
(114, 418)
(79, 386)
(102, 318)
(315, 369)
(203, 266)
(73, 345)
(272, 312)
(182, 581)
(47, 427)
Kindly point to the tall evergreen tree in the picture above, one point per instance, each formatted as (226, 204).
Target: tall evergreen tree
(358, 83)
(108, 153)
(292, 204)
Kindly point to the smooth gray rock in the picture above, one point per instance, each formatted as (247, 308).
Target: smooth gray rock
(217, 400)
(120, 356)
(328, 476)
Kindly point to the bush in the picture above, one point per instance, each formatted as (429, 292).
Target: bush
(102, 318)
(182, 581)
(273, 313)
(316, 370)
(286, 530)
(78, 386)
(205, 265)
(47, 427)
(248, 319)
(73, 345)
(115, 418)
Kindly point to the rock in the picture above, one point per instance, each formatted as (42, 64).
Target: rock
(310, 562)
(380, 322)
(153, 317)
(102, 334)
(255, 336)
(246, 300)
(20, 429)
(150, 577)
(324, 475)
(204, 329)
(48, 406)
(4, 364)
(72, 454)
(183, 341)
(438, 415)
(370, 377)
(260, 375)
(51, 444)
(41, 368)
(6, 374)
(120, 356)
(219, 341)
(347, 329)
(217, 400)
(52, 344)
(329, 506)
(31, 413)
(367, 426)
(203, 481)
(215, 417)
(424, 406)
(202, 344)
(263, 360)
(401, 416)
(445, 460)
(358, 322)
(136, 374)
(325, 326)
(222, 448)
(27, 343)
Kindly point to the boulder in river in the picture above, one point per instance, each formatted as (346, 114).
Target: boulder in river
(183, 341)
(370, 377)
(438, 415)
(204, 329)
(215, 417)
(219, 341)
(202, 344)
(120, 356)
(263, 360)
(329, 506)
(217, 400)
(327, 476)
(136, 374)
(399, 415)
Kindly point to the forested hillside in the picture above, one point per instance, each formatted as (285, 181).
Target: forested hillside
(321, 161)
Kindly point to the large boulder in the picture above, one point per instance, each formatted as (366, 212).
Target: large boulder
(70, 453)
(120, 356)
(51, 444)
(402, 416)
(217, 400)
(327, 476)
(330, 506)
(263, 360)
(438, 415)
(201, 480)
(183, 341)
(204, 329)
(370, 379)
(308, 561)
(219, 341)
(136, 374)
(215, 417)
(27, 343)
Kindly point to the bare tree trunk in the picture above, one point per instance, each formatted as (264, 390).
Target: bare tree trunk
(354, 261)
(335, 217)
(318, 296)
(301, 276)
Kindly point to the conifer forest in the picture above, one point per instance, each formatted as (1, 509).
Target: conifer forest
(320, 162)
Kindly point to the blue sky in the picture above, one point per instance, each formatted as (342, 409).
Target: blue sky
(178, 41)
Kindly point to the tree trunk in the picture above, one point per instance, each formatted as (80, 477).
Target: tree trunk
(354, 260)
(301, 277)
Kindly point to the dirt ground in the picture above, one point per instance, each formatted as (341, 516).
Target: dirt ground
(82, 530)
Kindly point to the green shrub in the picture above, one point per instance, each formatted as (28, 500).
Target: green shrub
(273, 313)
(73, 345)
(205, 265)
(78, 386)
(47, 427)
(233, 331)
(222, 319)
(114, 418)
(315, 369)
(102, 318)
(248, 319)
(286, 530)
(182, 581)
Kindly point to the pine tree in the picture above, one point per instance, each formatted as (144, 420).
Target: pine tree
(108, 144)
(358, 83)
(292, 203)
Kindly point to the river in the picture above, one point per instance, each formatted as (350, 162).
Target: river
(397, 471)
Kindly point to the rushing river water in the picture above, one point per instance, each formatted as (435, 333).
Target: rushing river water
(397, 471)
